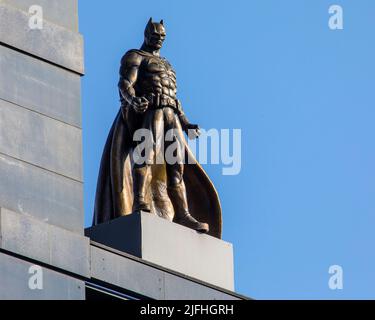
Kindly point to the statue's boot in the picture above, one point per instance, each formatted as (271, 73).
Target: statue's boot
(140, 184)
(182, 215)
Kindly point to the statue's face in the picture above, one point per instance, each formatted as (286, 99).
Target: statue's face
(155, 35)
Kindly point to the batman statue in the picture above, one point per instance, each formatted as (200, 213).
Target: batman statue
(179, 191)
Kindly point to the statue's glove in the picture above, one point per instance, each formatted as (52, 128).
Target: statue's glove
(192, 130)
(140, 105)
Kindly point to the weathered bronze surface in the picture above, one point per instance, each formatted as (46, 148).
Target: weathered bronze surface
(179, 192)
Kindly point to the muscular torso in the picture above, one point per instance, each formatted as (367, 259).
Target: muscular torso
(142, 74)
(157, 76)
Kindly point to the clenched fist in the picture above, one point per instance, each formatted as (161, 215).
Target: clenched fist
(140, 105)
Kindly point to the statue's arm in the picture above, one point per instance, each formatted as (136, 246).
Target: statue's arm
(192, 130)
(128, 77)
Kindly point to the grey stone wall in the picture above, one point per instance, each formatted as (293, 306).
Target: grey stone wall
(43, 242)
(63, 13)
(40, 113)
(41, 177)
(15, 285)
(54, 43)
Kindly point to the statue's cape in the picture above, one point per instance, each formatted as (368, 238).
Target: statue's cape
(114, 194)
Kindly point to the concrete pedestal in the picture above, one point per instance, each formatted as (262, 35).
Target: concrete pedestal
(170, 246)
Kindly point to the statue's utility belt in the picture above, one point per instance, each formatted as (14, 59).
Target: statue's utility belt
(158, 101)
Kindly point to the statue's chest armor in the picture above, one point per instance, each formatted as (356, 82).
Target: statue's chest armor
(157, 74)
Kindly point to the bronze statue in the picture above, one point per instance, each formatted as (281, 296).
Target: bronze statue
(179, 192)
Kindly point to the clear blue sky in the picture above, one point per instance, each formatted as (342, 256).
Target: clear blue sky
(304, 97)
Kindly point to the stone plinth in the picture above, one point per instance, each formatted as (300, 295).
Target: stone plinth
(170, 246)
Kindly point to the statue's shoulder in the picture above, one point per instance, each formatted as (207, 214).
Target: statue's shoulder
(166, 61)
(134, 56)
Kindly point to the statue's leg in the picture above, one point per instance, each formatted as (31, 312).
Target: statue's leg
(142, 173)
(175, 172)
(141, 185)
(177, 193)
